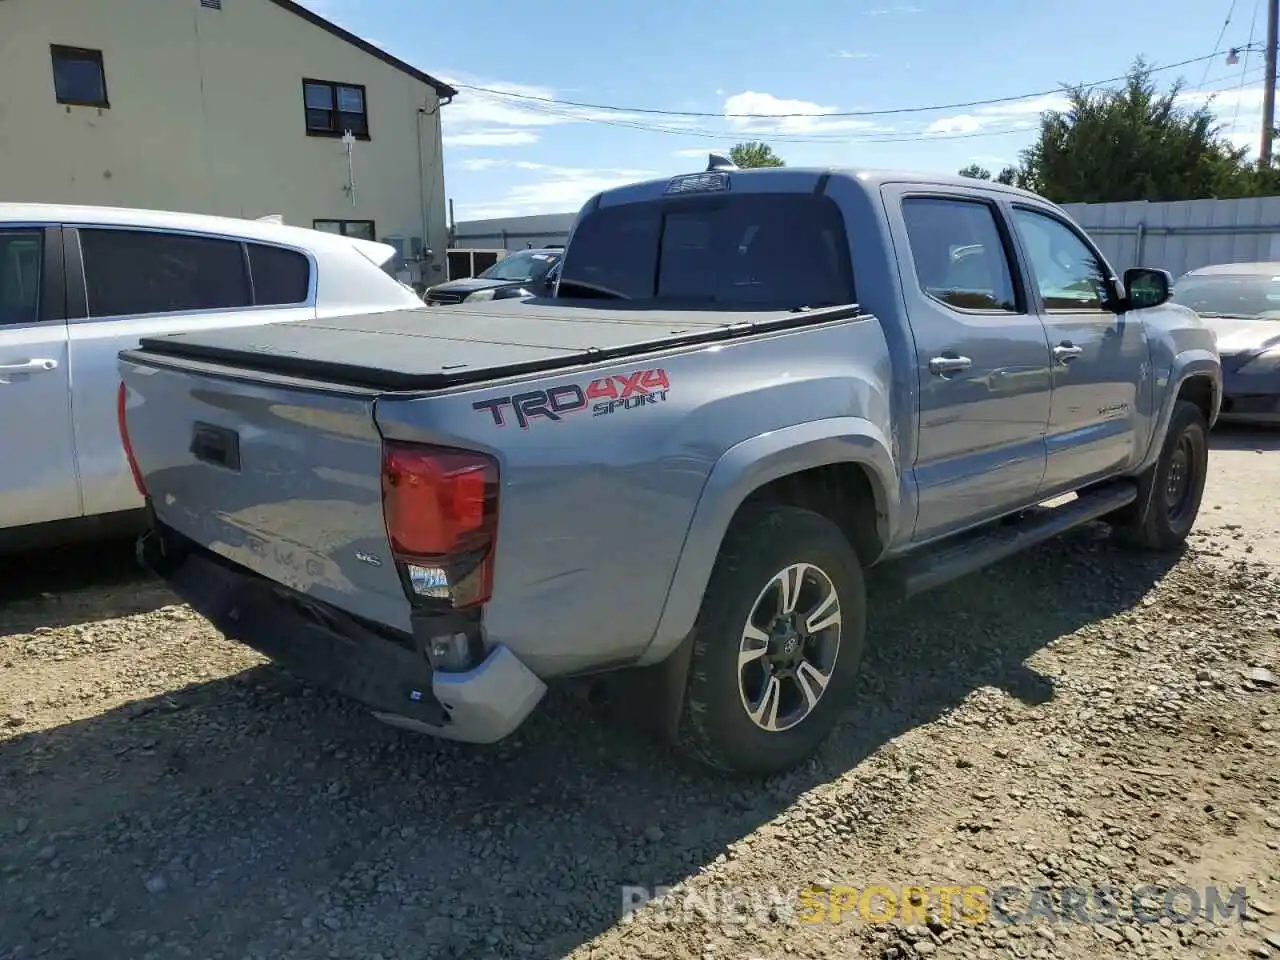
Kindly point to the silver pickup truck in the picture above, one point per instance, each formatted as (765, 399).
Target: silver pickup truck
(751, 391)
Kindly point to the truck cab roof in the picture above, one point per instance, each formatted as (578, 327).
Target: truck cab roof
(786, 179)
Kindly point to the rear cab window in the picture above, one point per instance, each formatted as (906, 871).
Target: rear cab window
(762, 250)
(960, 256)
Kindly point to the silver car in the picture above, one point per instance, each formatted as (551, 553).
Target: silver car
(80, 284)
(1240, 302)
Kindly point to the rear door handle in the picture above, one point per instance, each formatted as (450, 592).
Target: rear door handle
(41, 365)
(1066, 351)
(945, 365)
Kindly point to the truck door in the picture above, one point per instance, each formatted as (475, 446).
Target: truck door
(38, 480)
(1101, 359)
(982, 359)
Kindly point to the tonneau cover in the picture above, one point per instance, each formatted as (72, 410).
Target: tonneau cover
(435, 347)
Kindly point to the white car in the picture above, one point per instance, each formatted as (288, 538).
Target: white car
(80, 284)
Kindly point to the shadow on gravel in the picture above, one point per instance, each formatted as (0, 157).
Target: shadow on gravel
(252, 816)
(75, 584)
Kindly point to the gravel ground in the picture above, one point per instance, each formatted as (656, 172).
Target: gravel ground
(1078, 716)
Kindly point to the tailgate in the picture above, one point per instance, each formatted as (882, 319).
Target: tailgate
(284, 481)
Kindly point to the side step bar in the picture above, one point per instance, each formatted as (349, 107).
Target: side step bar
(963, 554)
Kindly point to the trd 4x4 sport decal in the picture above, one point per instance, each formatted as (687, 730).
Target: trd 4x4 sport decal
(604, 396)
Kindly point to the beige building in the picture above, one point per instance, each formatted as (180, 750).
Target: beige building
(231, 107)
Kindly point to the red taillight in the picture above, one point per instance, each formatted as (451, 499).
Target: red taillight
(121, 397)
(441, 511)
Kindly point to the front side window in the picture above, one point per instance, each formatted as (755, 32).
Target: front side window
(753, 250)
(332, 109)
(21, 273)
(133, 272)
(959, 254)
(1068, 274)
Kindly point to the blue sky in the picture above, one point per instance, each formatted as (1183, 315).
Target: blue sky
(510, 157)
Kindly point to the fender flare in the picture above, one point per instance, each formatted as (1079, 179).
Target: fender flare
(1185, 366)
(746, 467)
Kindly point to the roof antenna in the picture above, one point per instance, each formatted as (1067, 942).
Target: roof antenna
(718, 161)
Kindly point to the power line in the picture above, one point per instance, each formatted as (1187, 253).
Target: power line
(1253, 25)
(1217, 44)
(850, 137)
(509, 95)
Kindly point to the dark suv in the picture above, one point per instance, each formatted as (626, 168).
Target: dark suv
(529, 273)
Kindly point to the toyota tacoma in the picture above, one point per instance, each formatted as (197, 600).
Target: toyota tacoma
(751, 391)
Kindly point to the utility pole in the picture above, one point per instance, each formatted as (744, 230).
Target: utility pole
(1269, 90)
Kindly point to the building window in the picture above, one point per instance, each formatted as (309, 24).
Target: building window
(360, 229)
(334, 108)
(78, 77)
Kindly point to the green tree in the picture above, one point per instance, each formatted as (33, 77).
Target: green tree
(753, 154)
(1134, 142)
(1008, 175)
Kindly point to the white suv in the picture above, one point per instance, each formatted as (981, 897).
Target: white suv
(80, 284)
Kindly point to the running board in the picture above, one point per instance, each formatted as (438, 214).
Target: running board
(966, 553)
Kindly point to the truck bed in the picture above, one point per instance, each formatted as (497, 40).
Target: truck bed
(434, 347)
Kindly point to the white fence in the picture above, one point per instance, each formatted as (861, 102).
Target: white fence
(1183, 235)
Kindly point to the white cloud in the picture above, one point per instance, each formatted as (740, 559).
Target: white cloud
(490, 138)
(896, 8)
(516, 114)
(852, 55)
(1019, 115)
(781, 115)
(554, 189)
(1238, 110)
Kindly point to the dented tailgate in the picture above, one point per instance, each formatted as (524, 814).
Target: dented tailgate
(282, 480)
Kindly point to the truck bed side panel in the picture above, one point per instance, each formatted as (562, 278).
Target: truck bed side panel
(304, 503)
(596, 505)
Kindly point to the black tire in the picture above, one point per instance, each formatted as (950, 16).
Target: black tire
(715, 726)
(1169, 518)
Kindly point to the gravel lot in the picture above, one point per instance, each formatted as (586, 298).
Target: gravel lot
(1080, 716)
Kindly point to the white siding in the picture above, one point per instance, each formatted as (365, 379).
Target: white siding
(206, 115)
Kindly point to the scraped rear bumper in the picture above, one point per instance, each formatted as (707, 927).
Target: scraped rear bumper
(327, 647)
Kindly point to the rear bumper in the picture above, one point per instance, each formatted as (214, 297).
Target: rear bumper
(323, 645)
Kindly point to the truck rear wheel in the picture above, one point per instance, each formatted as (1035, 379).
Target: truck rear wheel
(777, 644)
(1173, 486)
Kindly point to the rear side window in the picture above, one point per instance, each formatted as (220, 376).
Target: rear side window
(130, 272)
(959, 255)
(21, 261)
(752, 250)
(279, 276)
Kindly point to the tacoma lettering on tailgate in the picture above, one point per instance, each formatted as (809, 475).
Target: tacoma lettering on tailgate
(620, 392)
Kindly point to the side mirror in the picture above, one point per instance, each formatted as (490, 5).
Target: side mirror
(1145, 287)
